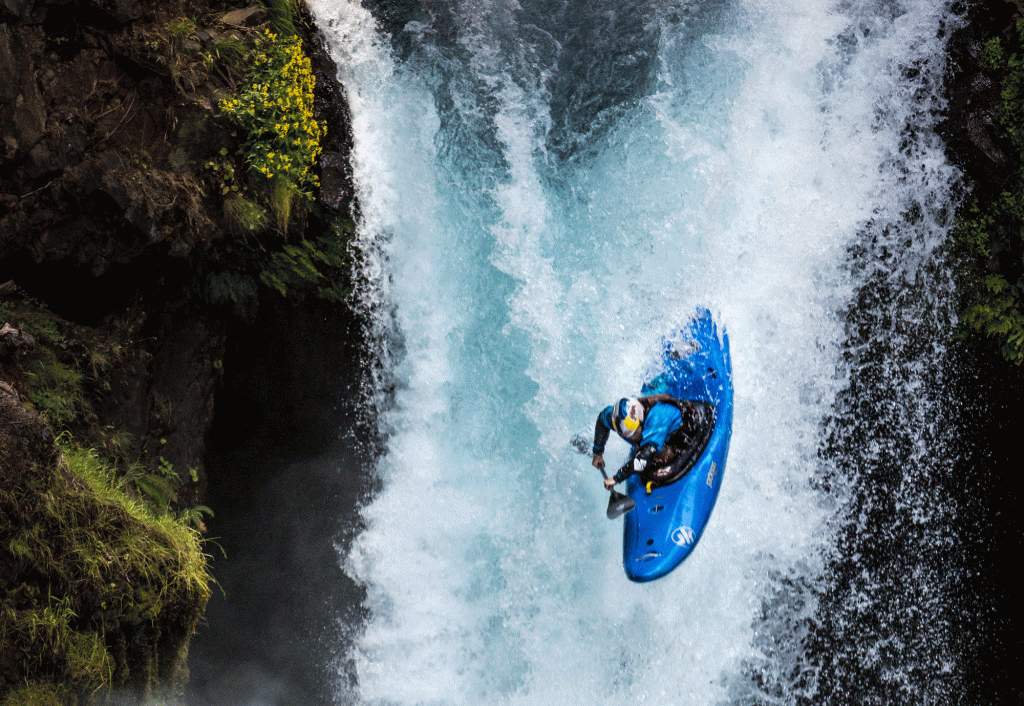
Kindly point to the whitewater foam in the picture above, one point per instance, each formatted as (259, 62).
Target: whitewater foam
(520, 275)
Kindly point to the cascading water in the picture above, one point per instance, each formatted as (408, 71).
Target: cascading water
(548, 188)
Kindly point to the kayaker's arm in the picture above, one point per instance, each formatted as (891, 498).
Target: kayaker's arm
(635, 464)
(602, 430)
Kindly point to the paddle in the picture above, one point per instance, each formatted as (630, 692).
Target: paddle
(618, 504)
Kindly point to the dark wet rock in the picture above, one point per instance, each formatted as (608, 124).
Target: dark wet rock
(245, 17)
(25, 439)
(975, 140)
(108, 131)
(335, 180)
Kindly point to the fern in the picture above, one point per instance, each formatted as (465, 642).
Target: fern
(230, 286)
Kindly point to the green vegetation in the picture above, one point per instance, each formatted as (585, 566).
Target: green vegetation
(284, 15)
(308, 267)
(274, 108)
(990, 237)
(244, 216)
(69, 374)
(56, 391)
(36, 694)
(103, 577)
(264, 176)
(257, 180)
(103, 589)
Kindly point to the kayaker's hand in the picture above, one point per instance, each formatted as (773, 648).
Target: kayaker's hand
(598, 461)
(609, 483)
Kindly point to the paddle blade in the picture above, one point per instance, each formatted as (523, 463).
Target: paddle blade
(619, 504)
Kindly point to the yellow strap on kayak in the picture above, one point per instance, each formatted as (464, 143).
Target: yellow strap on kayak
(649, 488)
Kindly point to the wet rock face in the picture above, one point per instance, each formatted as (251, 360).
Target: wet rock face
(975, 140)
(105, 132)
(14, 341)
(102, 149)
(85, 135)
(108, 128)
(24, 438)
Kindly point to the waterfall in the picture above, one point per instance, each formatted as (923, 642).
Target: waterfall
(546, 189)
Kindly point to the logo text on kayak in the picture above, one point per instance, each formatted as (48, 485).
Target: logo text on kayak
(683, 536)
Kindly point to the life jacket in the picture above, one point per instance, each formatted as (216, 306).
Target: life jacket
(683, 446)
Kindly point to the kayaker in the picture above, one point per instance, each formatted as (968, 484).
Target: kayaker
(648, 424)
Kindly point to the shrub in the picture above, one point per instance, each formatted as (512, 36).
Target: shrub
(244, 216)
(56, 391)
(274, 106)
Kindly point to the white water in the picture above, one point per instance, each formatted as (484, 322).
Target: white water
(515, 292)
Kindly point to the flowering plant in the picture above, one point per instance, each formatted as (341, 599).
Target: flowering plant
(275, 108)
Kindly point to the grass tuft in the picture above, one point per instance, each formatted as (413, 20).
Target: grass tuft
(244, 217)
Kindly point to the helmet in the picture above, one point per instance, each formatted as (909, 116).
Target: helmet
(627, 416)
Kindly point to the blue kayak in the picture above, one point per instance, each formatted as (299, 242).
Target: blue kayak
(671, 514)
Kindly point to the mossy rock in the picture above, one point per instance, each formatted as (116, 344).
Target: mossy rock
(97, 592)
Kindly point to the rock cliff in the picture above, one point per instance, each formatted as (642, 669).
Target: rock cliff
(111, 173)
(125, 271)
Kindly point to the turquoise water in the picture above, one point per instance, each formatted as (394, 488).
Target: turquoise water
(546, 190)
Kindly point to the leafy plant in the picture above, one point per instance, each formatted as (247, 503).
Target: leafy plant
(56, 391)
(999, 315)
(990, 235)
(193, 516)
(274, 107)
(315, 266)
(231, 49)
(181, 29)
(231, 286)
(303, 265)
(284, 15)
(244, 216)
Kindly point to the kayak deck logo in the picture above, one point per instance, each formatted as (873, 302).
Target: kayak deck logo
(683, 536)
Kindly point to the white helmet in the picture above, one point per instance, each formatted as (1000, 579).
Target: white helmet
(627, 416)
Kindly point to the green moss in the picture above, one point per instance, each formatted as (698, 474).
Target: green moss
(40, 694)
(105, 591)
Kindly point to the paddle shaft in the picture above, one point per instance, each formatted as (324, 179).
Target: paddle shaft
(617, 502)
